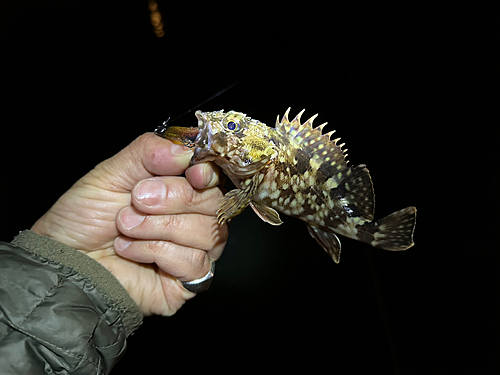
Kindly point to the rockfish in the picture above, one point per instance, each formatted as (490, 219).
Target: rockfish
(294, 169)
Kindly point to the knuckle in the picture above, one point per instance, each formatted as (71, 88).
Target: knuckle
(199, 262)
(172, 223)
(184, 192)
(155, 247)
(160, 250)
(188, 194)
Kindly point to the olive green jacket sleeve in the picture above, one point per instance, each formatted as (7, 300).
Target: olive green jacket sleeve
(61, 312)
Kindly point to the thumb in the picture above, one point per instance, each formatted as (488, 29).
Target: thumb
(147, 156)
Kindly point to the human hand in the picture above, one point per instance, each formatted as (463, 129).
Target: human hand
(149, 227)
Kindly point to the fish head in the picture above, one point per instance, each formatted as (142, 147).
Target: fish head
(234, 141)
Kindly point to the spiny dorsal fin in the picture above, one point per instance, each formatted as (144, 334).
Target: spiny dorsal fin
(325, 155)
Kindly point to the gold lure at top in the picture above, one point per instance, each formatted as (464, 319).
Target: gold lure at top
(298, 171)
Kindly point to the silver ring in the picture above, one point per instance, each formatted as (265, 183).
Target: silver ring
(201, 284)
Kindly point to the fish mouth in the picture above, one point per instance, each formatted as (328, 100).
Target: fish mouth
(200, 138)
(204, 138)
(203, 142)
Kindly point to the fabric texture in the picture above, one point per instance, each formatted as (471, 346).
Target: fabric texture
(61, 312)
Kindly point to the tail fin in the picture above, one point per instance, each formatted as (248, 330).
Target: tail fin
(393, 232)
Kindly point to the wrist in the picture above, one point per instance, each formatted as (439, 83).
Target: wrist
(99, 277)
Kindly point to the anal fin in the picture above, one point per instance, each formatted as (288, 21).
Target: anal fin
(267, 214)
(327, 240)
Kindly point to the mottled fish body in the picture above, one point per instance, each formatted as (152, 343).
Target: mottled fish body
(298, 171)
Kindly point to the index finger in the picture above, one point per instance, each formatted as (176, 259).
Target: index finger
(147, 156)
(174, 195)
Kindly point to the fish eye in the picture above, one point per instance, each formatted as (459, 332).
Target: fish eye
(232, 124)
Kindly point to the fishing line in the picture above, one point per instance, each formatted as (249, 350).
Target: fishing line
(220, 92)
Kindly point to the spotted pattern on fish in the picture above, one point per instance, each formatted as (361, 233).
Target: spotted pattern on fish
(297, 170)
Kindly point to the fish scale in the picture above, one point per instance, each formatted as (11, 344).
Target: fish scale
(296, 170)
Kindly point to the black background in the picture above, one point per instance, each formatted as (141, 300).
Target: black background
(81, 79)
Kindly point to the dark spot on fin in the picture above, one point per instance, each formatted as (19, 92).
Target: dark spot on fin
(267, 214)
(327, 240)
(393, 232)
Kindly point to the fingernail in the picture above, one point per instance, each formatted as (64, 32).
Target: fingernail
(121, 243)
(208, 175)
(180, 150)
(130, 219)
(151, 192)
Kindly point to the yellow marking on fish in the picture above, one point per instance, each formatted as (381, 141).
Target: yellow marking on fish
(244, 147)
(355, 220)
(331, 183)
(275, 194)
(348, 230)
(263, 194)
(299, 197)
(312, 180)
(314, 163)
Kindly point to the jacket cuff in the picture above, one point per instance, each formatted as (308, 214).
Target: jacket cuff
(103, 280)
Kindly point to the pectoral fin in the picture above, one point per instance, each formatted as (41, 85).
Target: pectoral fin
(267, 214)
(235, 201)
(233, 204)
(327, 240)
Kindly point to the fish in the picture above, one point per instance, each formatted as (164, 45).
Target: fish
(296, 170)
